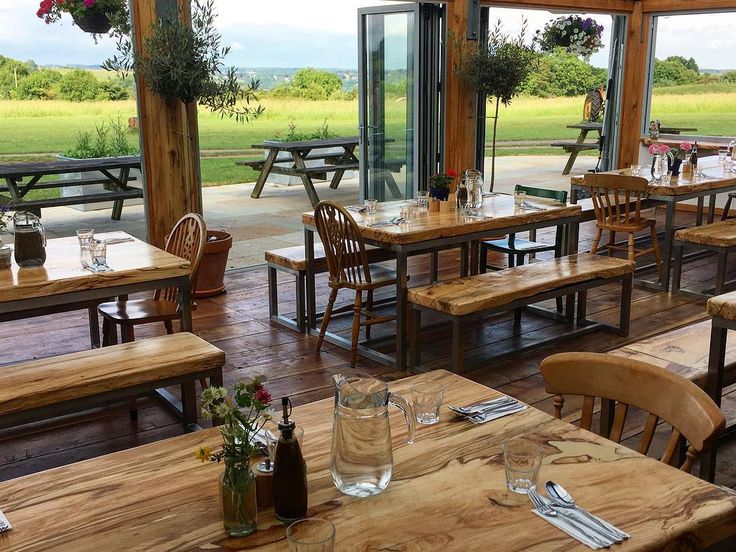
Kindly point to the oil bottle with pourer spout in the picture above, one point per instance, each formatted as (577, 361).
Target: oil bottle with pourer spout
(289, 472)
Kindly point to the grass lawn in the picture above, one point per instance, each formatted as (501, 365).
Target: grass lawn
(49, 127)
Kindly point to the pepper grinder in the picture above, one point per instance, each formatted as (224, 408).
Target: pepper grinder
(290, 472)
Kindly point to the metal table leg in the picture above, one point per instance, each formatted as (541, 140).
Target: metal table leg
(714, 388)
(669, 226)
(310, 285)
(401, 309)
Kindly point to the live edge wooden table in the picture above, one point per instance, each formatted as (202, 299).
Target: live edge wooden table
(681, 188)
(434, 231)
(447, 493)
(61, 284)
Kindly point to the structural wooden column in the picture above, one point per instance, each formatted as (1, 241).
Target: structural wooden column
(169, 138)
(634, 83)
(460, 99)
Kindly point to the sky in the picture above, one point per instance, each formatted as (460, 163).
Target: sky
(323, 33)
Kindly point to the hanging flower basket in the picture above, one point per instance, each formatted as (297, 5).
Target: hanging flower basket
(577, 36)
(93, 22)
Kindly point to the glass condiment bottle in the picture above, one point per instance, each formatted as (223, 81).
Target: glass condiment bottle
(30, 239)
(289, 472)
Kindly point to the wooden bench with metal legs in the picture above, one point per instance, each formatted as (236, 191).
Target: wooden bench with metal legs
(293, 260)
(49, 387)
(719, 237)
(473, 297)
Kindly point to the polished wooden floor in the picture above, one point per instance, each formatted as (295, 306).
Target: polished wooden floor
(237, 322)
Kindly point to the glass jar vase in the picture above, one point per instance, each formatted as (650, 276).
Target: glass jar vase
(659, 167)
(238, 494)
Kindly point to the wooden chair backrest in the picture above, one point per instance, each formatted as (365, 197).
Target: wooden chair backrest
(556, 195)
(612, 196)
(187, 241)
(664, 395)
(347, 262)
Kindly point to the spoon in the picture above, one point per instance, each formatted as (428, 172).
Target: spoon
(563, 499)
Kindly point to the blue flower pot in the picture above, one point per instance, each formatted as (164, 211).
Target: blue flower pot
(439, 193)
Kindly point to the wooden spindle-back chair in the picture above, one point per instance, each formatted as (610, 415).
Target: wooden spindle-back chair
(187, 240)
(664, 395)
(348, 268)
(617, 206)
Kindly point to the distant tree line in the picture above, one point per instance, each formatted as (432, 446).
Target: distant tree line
(313, 84)
(21, 80)
(676, 70)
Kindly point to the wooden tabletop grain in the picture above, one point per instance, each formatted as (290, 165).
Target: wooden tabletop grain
(448, 492)
(498, 212)
(715, 179)
(132, 262)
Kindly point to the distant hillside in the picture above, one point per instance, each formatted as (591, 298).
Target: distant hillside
(271, 77)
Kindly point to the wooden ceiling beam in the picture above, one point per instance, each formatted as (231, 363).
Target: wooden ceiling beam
(590, 6)
(674, 6)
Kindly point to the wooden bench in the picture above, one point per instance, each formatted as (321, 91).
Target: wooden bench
(472, 297)
(293, 260)
(719, 237)
(59, 385)
(574, 148)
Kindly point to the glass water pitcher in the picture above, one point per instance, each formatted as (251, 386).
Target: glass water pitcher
(474, 183)
(30, 239)
(362, 458)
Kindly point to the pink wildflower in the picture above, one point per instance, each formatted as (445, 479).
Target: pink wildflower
(263, 396)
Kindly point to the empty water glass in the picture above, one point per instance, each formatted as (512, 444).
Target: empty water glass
(370, 206)
(728, 165)
(519, 198)
(667, 178)
(635, 170)
(405, 214)
(98, 251)
(85, 235)
(423, 198)
(722, 154)
(427, 399)
(522, 459)
(311, 535)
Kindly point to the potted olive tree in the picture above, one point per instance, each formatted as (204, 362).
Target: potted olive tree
(496, 69)
(182, 61)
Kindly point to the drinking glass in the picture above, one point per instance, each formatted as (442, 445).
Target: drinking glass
(311, 535)
(522, 459)
(667, 178)
(427, 400)
(519, 198)
(405, 214)
(635, 170)
(98, 251)
(728, 165)
(85, 235)
(370, 206)
(722, 154)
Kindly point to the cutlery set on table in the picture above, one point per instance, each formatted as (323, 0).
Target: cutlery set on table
(559, 509)
(4, 523)
(489, 410)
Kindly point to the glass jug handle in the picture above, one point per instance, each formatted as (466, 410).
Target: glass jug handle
(43, 233)
(400, 402)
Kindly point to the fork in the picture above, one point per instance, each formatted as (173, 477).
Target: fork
(548, 511)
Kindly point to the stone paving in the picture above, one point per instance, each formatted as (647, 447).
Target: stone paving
(274, 220)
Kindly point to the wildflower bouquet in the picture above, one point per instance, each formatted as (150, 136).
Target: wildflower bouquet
(578, 36)
(442, 180)
(659, 149)
(242, 414)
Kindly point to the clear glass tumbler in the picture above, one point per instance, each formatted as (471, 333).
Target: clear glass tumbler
(427, 400)
(370, 206)
(522, 459)
(98, 251)
(519, 198)
(311, 535)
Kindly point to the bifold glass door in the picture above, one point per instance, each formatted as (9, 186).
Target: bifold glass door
(388, 100)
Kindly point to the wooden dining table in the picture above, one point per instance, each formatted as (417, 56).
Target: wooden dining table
(62, 284)
(681, 188)
(432, 231)
(447, 492)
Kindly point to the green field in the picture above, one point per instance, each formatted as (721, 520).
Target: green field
(48, 127)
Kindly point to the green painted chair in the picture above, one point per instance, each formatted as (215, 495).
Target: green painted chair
(517, 248)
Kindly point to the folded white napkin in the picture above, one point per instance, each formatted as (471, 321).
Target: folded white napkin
(4, 523)
(567, 526)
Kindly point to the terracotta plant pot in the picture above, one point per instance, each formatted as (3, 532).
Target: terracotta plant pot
(93, 22)
(211, 275)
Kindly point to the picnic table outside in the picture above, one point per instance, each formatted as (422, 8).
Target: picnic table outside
(574, 148)
(302, 151)
(116, 187)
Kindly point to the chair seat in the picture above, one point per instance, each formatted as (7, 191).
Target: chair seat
(630, 226)
(380, 277)
(139, 311)
(520, 246)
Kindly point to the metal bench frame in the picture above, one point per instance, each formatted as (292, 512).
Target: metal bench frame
(577, 319)
(721, 284)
